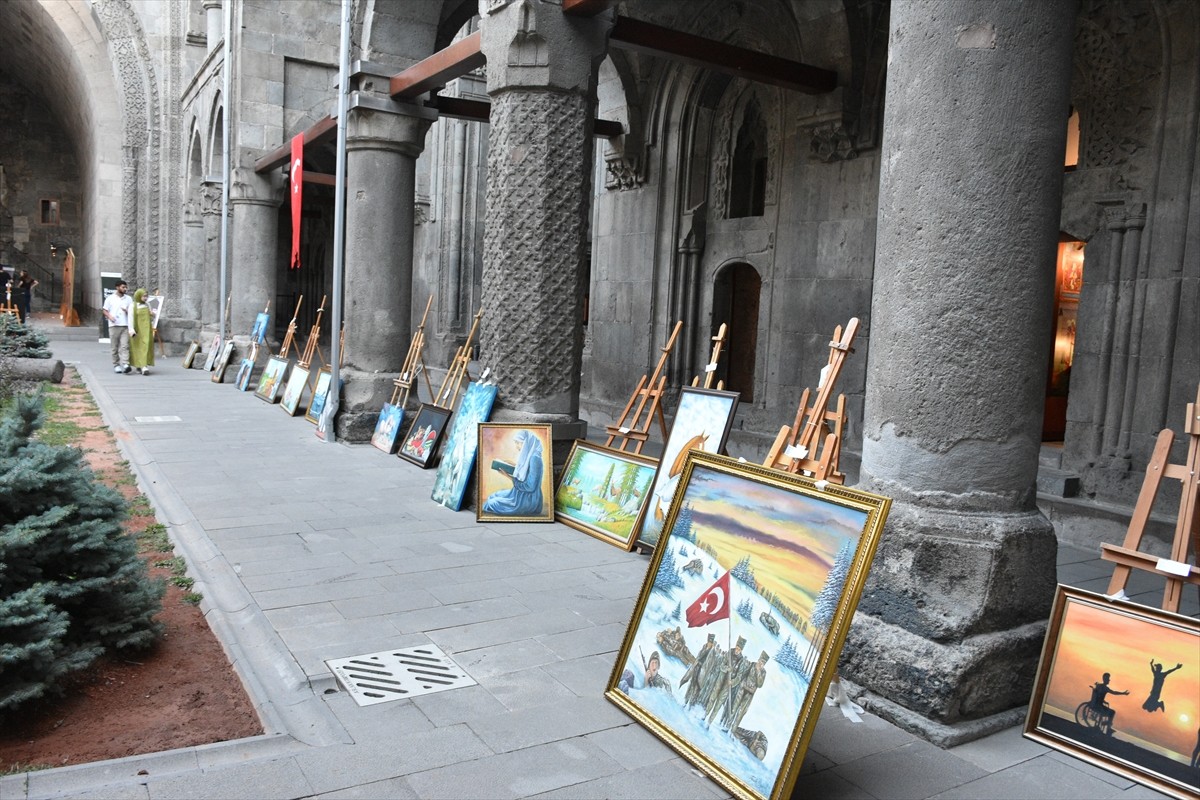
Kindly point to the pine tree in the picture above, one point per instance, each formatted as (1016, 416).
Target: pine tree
(684, 528)
(678, 612)
(745, 609)
(667, 577)
(742, 572)
(21, 341)
(825, 606)
(71, 583)
(629, 476)
(606, 484)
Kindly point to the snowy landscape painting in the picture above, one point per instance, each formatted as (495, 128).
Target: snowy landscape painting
(738, 626)
(458, 455)
(602, 491)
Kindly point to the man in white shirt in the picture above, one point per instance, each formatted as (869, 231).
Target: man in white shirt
(118, 310)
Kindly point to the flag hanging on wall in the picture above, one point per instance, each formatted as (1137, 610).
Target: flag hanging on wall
(297, 181)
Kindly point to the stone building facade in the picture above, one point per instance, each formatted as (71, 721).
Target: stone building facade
(1006, 194)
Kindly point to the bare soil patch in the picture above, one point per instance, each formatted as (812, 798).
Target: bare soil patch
(180, 693)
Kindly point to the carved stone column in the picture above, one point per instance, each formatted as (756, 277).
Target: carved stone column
(383, 141)
(254, 258)
(210, 270)
(541, 75)
(951, 623)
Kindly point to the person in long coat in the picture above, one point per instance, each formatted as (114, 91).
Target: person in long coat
(141, 335)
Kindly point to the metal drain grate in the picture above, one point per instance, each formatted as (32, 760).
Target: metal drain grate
(397, 674)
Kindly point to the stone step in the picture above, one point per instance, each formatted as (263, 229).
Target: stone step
(1057, 482)
(1050, 455)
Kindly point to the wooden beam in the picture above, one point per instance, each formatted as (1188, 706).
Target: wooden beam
(655, 40)
(477, 110)
(319, 178)
(321, 130)
(440, 68)
(586, 8)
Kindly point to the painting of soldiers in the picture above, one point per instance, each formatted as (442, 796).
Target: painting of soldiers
(729, 670)
(699, 671)
(752, 680)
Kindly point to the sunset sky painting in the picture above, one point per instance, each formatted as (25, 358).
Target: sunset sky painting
(791, 539)
(1096, 639)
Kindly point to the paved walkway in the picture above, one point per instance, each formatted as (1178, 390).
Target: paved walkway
(306, 551)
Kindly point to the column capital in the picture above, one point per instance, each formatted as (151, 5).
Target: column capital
(248, 186)
(210, 4)
(531, 44)
(210, 198)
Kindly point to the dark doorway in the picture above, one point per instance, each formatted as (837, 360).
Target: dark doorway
(735, 303)
(1067, 285)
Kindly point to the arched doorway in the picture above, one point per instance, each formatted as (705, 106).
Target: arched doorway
(736, 293)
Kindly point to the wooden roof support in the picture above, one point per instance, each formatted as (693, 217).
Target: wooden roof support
(479, 111)
(655, 40)
(321, 131)
(586, 8)
(439, 69)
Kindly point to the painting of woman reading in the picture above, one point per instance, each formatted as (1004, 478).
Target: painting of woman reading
(517, 484)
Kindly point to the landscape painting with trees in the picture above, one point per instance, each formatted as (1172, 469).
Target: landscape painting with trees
(602, 491)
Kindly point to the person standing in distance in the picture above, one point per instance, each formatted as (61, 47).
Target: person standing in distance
(118, 310)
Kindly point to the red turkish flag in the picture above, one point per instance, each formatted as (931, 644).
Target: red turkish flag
(710, 606)
(297, 181)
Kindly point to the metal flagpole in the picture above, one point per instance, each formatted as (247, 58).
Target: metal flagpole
(226, 82)
(329, 413)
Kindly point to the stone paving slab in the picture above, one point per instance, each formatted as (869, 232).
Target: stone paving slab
(297, 543)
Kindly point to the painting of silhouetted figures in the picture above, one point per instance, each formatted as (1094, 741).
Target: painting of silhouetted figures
(1119, 687)
(515, 473)
(602, 491)
(745, 606)
(458, 453)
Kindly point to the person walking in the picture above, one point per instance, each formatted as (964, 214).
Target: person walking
(141, 332)
(118, 310)
(25, 284)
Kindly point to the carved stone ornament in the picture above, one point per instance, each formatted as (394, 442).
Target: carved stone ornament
(833, 141)
(622, 172)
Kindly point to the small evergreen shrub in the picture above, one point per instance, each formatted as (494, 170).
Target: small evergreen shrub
(21, 341)
(71, 583)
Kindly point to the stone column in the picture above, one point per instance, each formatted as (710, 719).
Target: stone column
(191, 272)
(254, 257)
(210, 270)
(214, 22)
(541, 76)
(951, 624)
(383, 140)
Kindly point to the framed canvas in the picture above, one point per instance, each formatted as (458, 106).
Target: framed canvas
(702, 422)
(271, 379)
(421, 441)
(319, 396)
(458, 454)
(514, 481)
(222, 364)
(602, 491)
(736, 633)
(258, 334)
(1118, 686)
(387, 428)
(245, 370)
(214, 351)
(189, 355)
(155, 303)
(297, 382)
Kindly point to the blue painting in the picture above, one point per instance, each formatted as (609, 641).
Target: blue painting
(458, 454)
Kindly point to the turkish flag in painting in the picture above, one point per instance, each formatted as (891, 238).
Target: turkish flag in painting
(710, 606)
(297, 181)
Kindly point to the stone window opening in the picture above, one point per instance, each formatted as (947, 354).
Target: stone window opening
(50, 212)
(748, 173)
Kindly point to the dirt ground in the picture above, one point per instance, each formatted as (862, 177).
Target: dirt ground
(183, 692)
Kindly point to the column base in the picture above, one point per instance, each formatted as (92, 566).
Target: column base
(363, 395)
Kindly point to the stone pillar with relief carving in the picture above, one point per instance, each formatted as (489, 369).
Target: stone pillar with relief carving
(210, 269)
(191, 281)
(254, 257)
(951, 622)
(541, 75)
(383, 140)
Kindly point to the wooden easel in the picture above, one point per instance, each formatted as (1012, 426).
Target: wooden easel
(448, 393)
(710, 369)
(1187, 528)
(290, 337)
(795, 447)
(414, 359)
(312, 345)
(8, 307)
(70, 317)
(636, 428)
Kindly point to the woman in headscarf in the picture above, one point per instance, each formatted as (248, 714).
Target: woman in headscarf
(525, 497)
(141, 335)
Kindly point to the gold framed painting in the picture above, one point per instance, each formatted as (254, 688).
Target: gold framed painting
(514, 473)
(602, 491)
(736, 633)
(190, 354)
(1118, 686)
